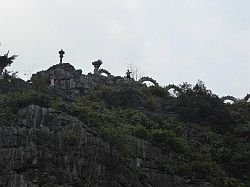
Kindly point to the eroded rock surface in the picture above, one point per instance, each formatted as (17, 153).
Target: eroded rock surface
(71, 82)
(49, 148)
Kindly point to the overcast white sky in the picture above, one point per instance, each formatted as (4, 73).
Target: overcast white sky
(173, 41)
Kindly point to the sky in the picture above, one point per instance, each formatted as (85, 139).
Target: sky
(172, 41)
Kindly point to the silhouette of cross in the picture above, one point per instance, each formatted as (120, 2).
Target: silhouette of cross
(61, 53)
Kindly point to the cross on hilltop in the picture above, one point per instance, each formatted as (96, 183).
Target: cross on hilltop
(61, 53)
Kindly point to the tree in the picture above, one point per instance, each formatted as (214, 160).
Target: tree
(5, 61)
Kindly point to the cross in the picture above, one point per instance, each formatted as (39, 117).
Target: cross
(61, 53)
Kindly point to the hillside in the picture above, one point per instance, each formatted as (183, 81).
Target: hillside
(63, 128)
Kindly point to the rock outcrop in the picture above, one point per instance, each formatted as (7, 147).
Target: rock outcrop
(49, 148)
(71, 82)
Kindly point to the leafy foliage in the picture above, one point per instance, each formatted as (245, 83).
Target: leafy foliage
(207, 139)
(5, 61)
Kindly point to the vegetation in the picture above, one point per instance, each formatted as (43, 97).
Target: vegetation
(5, 61)
(207, 139)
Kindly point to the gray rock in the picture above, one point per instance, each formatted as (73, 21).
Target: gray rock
(70, 83)
(49, 148)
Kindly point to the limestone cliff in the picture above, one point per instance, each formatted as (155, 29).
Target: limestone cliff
(49, 148)
(71, 82)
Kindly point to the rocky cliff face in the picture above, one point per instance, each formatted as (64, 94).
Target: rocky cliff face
(49, 148)
(71, 82)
